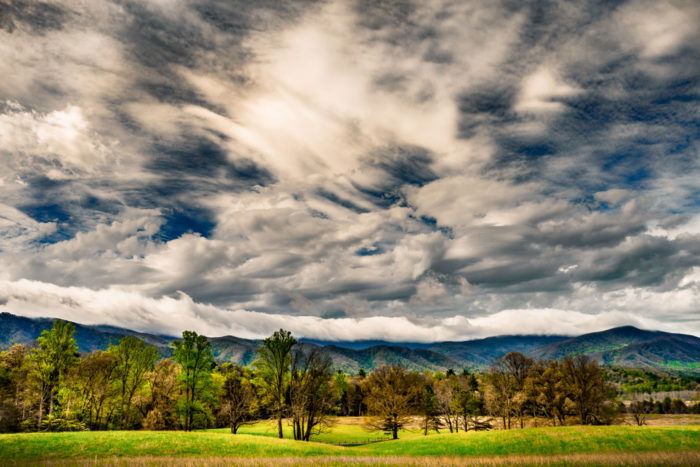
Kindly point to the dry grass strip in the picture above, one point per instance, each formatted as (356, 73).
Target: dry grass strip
(622, 458)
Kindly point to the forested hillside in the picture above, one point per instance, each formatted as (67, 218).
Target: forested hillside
(626, 347)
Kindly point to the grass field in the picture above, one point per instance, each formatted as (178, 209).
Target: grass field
(347, 431)
(607, 444)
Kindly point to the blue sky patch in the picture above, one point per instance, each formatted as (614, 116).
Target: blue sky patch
(186, 220)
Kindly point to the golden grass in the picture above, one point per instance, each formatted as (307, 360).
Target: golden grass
(651, 420)
(669, 419)
(642, 458)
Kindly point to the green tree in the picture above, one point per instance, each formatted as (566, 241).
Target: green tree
(393, 396)
(193, 354)
(340, 392)
(134, 359)
(56, 353)
(547, 392)
(160, 410)
(429, 406)
(92, 382)
(15, 395)
(354, 397)
(468, 401)
(274, 371)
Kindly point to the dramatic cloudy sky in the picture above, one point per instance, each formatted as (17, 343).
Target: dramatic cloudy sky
(351, 169)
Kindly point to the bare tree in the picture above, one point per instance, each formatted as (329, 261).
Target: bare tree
(500, 396)
(639, 411)
(587, 389)
(311, 392)
(507, 397)
(445, 399)
(518, 365)
(237, 398)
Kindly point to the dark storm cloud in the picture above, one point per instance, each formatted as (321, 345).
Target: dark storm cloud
(38, 16)
(595, 232)
(645, 261)
(485, 106)
(347, 204)
(404, 165)
(194, 156)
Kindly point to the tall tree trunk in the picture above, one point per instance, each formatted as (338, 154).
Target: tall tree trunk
(51, 398)
(188, 410)
(296, 428)
(122, 421)
(309, 426)
(279, 426)
(41, 410)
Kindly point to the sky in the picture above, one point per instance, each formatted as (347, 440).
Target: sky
(351, 169)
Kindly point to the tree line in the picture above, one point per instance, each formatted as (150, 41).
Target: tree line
(51, 387)
(634, 381)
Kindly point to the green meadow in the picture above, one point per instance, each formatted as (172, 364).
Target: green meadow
(258, 441)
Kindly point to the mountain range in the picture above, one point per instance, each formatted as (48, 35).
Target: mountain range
(627, 347)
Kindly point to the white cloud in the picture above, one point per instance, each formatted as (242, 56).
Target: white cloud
(541, 93)
(173, 315)
(660, 28)
(62, 135)
(16, 228)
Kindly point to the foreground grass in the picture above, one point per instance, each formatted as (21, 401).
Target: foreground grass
(561, 441)
(689, 458)
(547, 441)
(87, 445)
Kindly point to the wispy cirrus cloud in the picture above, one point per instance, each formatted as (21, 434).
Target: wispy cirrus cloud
(447, 167)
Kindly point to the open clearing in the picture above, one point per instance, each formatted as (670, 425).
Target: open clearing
(256, 445)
